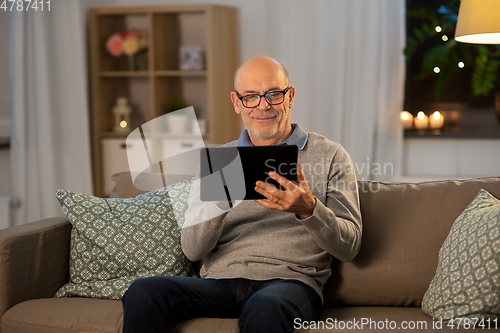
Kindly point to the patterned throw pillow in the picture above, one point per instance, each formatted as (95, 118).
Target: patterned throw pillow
(116, 241)
(467, 280)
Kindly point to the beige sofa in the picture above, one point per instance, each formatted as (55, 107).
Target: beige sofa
(404, 227)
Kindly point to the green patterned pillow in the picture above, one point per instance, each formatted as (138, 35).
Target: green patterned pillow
(467, 280)
(116, 241)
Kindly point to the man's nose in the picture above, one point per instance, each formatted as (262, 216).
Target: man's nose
(263, 105)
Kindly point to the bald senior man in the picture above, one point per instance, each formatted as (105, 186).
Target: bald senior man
(265, 261)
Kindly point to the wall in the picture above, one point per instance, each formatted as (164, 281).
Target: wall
(441, 158)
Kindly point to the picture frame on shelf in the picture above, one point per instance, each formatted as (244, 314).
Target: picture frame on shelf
(191, 57)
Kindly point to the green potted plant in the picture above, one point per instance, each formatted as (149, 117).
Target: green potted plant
(448, 57)
(174, 104)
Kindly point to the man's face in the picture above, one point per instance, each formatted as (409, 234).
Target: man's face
(266, 124)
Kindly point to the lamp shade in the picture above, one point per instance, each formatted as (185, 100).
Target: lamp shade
(478, 22)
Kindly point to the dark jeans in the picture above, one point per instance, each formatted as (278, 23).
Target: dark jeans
(153, 304)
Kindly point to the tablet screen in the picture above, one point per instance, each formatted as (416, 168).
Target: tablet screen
(230, 173)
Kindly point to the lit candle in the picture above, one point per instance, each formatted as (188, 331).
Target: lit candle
(406, 119)
(436, 120)
(421, 121)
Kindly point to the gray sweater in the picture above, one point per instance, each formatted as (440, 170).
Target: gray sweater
(250, 241)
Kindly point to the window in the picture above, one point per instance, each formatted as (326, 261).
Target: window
(465, 115)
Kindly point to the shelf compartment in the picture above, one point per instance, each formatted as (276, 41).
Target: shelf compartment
(177, 29)
(110, 24)
(192, 89)
(136, 90)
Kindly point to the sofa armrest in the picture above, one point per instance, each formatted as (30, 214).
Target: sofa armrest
(34, 260)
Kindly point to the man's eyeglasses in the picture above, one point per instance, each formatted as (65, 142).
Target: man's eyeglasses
(272, 97)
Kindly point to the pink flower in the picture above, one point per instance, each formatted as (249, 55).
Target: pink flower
(114, 45)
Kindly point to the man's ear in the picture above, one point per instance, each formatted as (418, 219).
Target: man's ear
(235, 100)
(291, 96)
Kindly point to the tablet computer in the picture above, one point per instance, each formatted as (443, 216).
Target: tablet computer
(230, 173)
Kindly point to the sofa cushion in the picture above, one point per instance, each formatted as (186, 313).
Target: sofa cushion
(404, 226)
(467, 280)
(116, 241)
(64, 315)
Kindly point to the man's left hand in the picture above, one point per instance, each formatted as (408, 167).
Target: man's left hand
(296, 198)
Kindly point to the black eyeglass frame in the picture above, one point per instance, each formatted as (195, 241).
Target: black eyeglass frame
(265, 97)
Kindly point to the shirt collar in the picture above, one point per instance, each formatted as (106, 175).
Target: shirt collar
(298, 138)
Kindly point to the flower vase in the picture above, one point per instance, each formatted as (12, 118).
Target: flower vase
(131, 63)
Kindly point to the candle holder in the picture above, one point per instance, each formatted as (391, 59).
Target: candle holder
(406, 119)
(421, 121)
(121, 113)
(436, 121)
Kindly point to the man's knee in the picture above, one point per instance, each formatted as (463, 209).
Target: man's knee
(139, 289)
(145, 289)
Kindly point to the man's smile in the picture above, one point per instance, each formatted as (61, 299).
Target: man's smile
(264, 117)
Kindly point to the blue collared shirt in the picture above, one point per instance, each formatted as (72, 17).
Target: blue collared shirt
(298, 138)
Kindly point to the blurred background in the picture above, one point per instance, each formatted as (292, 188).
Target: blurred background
(74, 82)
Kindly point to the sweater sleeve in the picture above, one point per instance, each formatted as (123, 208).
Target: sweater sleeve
(203, 225)
(336, 224)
